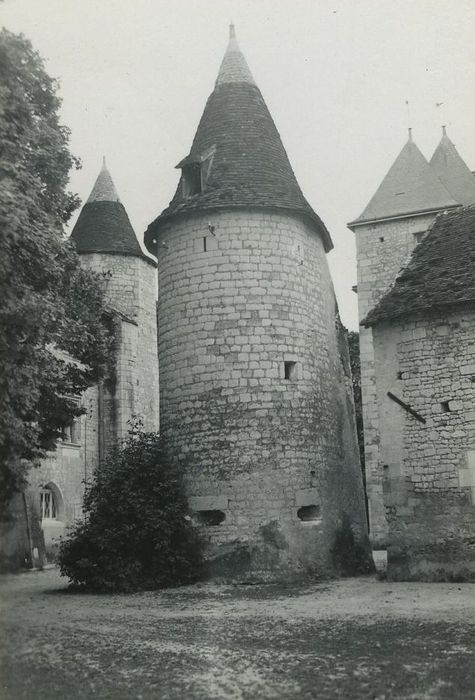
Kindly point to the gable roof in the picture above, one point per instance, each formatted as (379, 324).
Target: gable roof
(248, 166)
(453, 172)
(103, 225)
(441, 271)
(409, 187)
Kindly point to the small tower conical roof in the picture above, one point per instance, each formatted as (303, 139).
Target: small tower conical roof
(409, 187)
(238, 152)
(103, 225)
(453, 172)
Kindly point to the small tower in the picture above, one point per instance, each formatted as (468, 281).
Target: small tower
(452, 171)
(107, 244)
(255, 403)
(393, 223)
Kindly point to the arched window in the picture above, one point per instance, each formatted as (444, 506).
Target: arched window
(49, 503)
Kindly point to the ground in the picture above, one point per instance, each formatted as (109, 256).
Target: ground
(353, 638)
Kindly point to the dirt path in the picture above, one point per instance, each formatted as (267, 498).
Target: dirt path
(357, 638)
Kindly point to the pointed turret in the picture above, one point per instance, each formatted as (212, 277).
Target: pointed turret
(237, 159)
(453, 172)
(410, 187)
(103, 225)
(234, 68)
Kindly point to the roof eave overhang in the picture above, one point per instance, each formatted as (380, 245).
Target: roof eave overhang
(316, 223)
(395, 217)
(369, 322)
(128, 254)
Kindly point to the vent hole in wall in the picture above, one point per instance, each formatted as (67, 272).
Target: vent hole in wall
(209, 517)
(308, 513)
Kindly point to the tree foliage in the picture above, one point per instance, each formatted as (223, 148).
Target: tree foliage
(136, 535)
(48, 302)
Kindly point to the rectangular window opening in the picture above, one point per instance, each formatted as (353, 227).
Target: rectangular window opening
(444, 405)
(290, 370)
(192, 182)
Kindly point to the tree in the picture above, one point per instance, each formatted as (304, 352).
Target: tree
(136, 534)
(49, 303)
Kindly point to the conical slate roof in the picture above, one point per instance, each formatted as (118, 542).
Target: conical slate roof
(240, 153)
(453, 172)
(410, 186)
(103, 225)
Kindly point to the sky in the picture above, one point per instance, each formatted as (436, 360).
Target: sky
(335, 74)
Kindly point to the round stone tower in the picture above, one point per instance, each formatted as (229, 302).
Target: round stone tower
(255, 389)
(107, 244)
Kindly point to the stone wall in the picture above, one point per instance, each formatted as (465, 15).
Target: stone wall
(428, 467)
(24, 539)
(254, 400)
(131, 290)
(383, 249)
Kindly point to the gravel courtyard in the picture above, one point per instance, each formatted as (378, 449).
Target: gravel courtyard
(355, 638)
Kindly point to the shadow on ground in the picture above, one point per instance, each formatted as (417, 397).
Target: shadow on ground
(357, 638)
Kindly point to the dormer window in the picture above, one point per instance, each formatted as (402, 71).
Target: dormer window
(195, 172)
(192, 183)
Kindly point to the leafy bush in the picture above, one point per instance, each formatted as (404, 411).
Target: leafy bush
(136, 534)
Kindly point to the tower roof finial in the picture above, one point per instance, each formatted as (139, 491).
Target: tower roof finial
(444, 130)
(104, 166)
(234, 68)
(409, 131)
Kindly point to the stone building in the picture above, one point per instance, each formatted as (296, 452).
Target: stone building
(107, 244)
(256, 398)
(255, 387)
(394, 222)
(423, 332)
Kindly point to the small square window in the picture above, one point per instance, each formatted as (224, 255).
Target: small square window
(418, 236)
(290, 370)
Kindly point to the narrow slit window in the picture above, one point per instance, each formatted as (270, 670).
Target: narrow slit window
(204, 244)
(290, 370)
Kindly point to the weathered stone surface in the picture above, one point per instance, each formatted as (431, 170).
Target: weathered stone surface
(230, 317)
(429, 466)
(383, 249)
